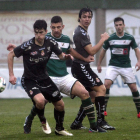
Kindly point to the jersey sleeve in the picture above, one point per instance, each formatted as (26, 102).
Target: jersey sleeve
(84, 39)
(133, 43)
(19, 51)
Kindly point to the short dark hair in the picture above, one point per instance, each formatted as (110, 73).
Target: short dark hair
(40, 24)
(118, 19)
(56, 19)
(84, 10)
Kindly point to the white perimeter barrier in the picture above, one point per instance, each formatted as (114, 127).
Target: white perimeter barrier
(16, 91)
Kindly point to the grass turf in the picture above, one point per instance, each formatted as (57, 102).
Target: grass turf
(121, 114)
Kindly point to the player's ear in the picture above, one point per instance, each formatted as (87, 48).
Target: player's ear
(63, 26)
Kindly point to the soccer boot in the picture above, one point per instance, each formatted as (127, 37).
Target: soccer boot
(97, 129)
(79, 125)
(46, 128)
(138, 115)
(27, 126)
(105, 113)
(63, 133)
(105, 125)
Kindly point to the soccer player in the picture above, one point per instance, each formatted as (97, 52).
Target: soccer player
(66, 83)
(38, 85)
(82, 71)
(119, 44)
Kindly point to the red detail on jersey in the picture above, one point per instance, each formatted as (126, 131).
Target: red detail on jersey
(125, 51)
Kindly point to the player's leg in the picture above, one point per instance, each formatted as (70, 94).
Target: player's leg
(83, 74)
(77, 123)
(107, 84)
(87, 105)
(111, 74)
(59, 118)
(129, 78)
(136, 97)
(33, 91)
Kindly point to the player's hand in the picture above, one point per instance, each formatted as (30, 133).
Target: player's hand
(11, 47)
(105, 36)
(90, 58)
(137, 67)
(68, 56)
(12, 80)
(99, 68)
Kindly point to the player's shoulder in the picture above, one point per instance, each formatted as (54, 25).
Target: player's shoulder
(128, 35)
(112, 35)
(28, 43)
(50, 39)
(80, 31)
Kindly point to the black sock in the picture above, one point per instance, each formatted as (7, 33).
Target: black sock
(40, 114)
(59, 118)
(32, 113)
(100, 105)
(106, 98)
(136, 99)
(80, 116)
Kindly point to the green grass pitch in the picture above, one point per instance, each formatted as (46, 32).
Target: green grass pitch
(121, 114)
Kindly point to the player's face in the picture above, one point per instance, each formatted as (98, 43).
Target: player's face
(40, 35)
(85, 19)
(119, 26)
(57, 29)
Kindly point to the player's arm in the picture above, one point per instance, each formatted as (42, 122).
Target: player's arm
(93, 50)
(137, 52)
(101, 56)
(12, 78)
(64, 56)
(75, 54)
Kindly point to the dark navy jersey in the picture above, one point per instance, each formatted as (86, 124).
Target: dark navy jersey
(81, 40)
(36, 57)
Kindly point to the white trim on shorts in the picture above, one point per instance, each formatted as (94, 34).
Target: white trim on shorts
(65, 84)
(127, 74)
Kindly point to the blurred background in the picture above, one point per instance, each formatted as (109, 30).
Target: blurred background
(16, 26)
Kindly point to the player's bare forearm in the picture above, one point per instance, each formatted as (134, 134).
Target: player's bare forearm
(93, 50)
(63, 56)
(101, 57)
(137, 52)
(75, 54)
(10, 63)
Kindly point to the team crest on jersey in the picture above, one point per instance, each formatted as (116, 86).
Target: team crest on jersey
(125, 51)
(97, 80)
(34, 53)
(42, 53)
(31, 92)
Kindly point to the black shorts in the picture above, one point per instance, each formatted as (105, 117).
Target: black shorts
(46, 87)
(85, 75)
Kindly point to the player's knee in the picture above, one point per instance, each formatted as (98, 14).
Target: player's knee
(84, 93)
(59, 105)
(40, 103)
(134, 89)
(108, 84)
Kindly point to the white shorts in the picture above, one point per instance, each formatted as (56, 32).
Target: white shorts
(127, 74)
(65, 84)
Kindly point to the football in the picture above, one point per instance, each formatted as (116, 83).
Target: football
(2, 84)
